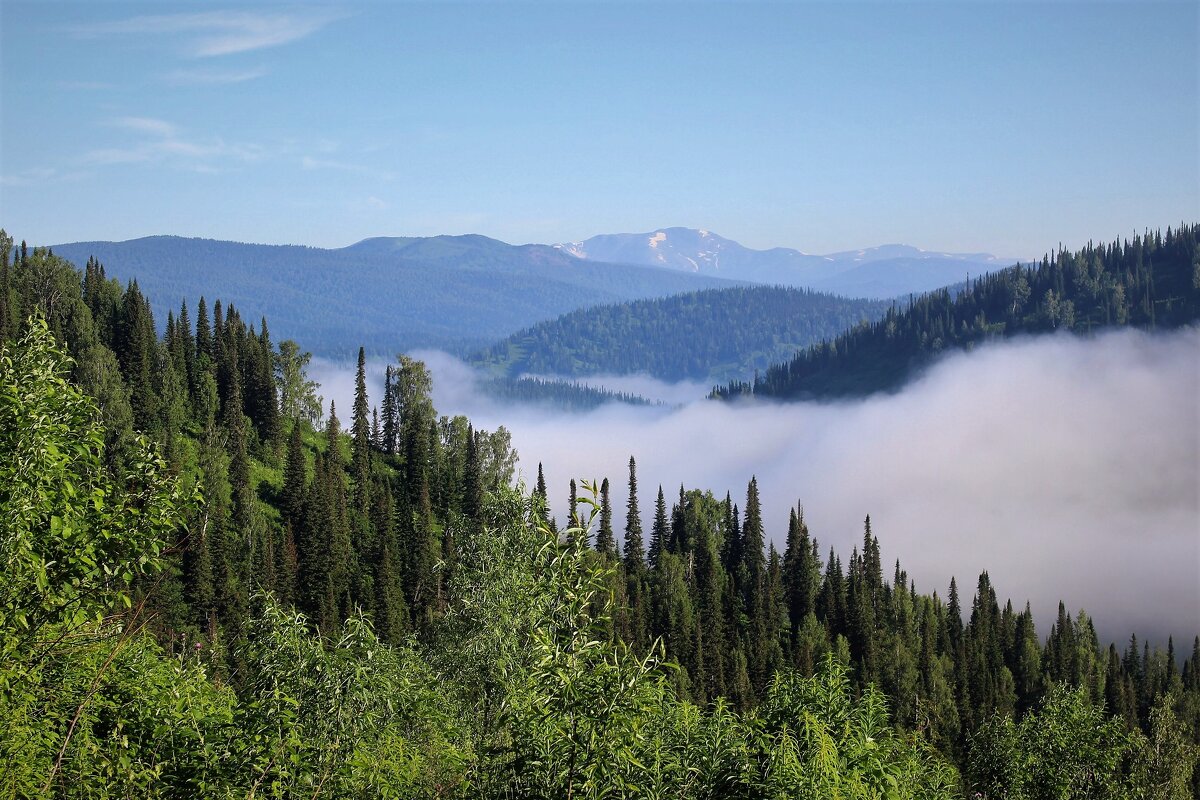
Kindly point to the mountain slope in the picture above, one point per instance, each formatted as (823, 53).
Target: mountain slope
(879, 272)
(1149, 282)
(387, 294)
(710, 335)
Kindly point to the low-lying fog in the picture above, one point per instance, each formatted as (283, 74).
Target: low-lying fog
(1068, 468)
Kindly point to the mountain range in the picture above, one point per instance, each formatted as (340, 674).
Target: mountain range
(462, 292)
(386, 294)
(883, 272)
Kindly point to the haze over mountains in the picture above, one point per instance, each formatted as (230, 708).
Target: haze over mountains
(461, 292)
(890, 270)
(386, 294)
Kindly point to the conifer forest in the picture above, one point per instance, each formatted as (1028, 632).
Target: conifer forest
(215, 586)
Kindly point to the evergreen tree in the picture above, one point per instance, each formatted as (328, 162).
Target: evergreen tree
(801, 571)
(6, 245)
(658, 533)
(361, 432)
(295, 479)
(204, 345)
(472, 504)
(262, 401)
(635, 557)
(391, 414)
(605, 542)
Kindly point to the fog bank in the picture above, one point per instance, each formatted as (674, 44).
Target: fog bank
(1068, 468)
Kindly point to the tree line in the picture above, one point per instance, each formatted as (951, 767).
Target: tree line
(1151, 281)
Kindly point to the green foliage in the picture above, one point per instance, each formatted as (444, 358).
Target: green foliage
(822, 742)
(1068, 749)
(74, 537)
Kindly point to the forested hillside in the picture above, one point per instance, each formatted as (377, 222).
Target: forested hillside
(211, 591)
(715, 334)
(1151, 281)
(386, 295)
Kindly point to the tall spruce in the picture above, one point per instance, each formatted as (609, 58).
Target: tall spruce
(361, 430)
(6, 246)
(659, 532)
(605, 542)
(635, 553)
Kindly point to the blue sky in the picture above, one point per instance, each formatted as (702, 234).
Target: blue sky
(965, 126)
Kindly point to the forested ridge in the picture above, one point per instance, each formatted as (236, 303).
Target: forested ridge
(383, 294)
(1151, 281)
(213, 589)
(712, 335)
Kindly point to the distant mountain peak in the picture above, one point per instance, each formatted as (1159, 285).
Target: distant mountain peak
(887, 270)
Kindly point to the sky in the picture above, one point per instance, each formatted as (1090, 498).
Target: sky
(1008, 128)
(1067, 467)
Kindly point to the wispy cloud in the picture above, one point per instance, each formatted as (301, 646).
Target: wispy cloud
(38, 175)
(212, 77)
(149, 125)
(163, 141)
(218, 33)
(311, 163)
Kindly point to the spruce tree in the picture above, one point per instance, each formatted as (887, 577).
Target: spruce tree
(295, 479)
(391, 415)
(658, 533)
(361, 430)
(203, 331)
(262, 399)
(6, 244)
(136, 347)
(605, 542)
(801, 571)
(472, 502)
(634, 549)
(573, 507)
